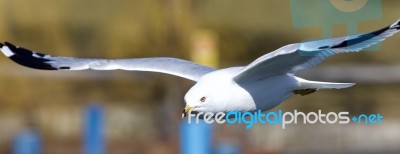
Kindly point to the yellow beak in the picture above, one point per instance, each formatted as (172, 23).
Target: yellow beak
(186, 111)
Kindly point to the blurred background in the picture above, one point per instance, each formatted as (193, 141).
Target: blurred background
(142, 111)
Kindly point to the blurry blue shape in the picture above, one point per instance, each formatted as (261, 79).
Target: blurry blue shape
(326, 13)
(93, 130)
(27, 142)
(227, 148)
(195, 138)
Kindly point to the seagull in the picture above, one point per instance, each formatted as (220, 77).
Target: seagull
(262, 85)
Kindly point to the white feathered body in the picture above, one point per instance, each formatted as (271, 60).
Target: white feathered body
(263, 84)
(258, 95)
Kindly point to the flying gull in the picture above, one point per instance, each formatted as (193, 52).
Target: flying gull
(261, 85)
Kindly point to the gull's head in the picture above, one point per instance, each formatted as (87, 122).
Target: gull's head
(214, 94)
(201, 98)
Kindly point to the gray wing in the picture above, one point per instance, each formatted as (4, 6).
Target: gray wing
(294, 57)
(173, 66)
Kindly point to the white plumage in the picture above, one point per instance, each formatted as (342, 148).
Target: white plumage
(263, 84)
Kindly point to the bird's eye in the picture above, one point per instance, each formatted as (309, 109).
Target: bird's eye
(203, 99)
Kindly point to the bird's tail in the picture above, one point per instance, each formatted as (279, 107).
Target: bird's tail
(306, 84)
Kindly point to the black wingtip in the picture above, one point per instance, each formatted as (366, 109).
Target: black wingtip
(397, 25)
(28, 58)
(9, 44)
(1, 45)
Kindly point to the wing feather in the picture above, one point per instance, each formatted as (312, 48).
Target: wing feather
(173, 66)
(294, 57)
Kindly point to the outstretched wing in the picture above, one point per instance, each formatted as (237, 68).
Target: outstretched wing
(294, 57)
(173, 66)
